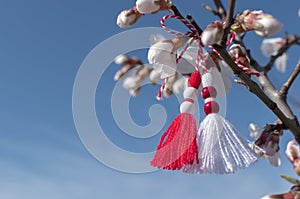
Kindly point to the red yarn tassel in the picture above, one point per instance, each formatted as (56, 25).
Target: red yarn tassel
(178, 144)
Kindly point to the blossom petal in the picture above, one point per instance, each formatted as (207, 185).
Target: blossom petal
(280, 63)
(275, 159)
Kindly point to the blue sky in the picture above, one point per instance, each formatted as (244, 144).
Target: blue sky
(42, 45)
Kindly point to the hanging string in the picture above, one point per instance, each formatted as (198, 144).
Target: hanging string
(194, 32)
(160, 91)
(194, 35)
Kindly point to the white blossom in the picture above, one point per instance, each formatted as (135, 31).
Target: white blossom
(270, 47)
(162, 55)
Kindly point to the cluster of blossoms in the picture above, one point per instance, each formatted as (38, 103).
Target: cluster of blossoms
(182, 65)
(130, 16)
(139, 73)
(293, 154)
(215, 146)
(266, 144)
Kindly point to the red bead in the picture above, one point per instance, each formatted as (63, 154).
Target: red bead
(209, 91)
(211, 107)
(195, 80)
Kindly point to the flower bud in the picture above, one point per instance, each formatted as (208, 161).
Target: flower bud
(168, 91)
(212, 34)
(254, 130)
(288, 195)
(180, 85)
(131, 82)
(269, 25)
(121, 59)
(128, 17)
(292, 151)
(154, 77)
(238, 53)
(148, 6)
(263, 24)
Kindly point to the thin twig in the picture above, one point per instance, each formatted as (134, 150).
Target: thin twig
(209, 9)
(241, 82)
(229, 16)
(175, 11)
(287, 85)
(220, 9)
(279, 127)
(229, 21)
(291, 40)
(194, 23)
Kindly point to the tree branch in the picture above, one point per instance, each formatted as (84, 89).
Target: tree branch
(291, 123)
(286, 86)
(267, 85)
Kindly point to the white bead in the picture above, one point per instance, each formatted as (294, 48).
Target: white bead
(207, 79)
(209, 99)
(187, 107)
(190, 93)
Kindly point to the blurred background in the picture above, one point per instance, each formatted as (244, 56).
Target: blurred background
(42, 45)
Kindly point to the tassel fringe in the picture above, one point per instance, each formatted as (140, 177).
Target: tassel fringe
(178, 146)
(222, 149)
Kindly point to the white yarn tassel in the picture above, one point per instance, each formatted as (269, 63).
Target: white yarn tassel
(222, 149)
